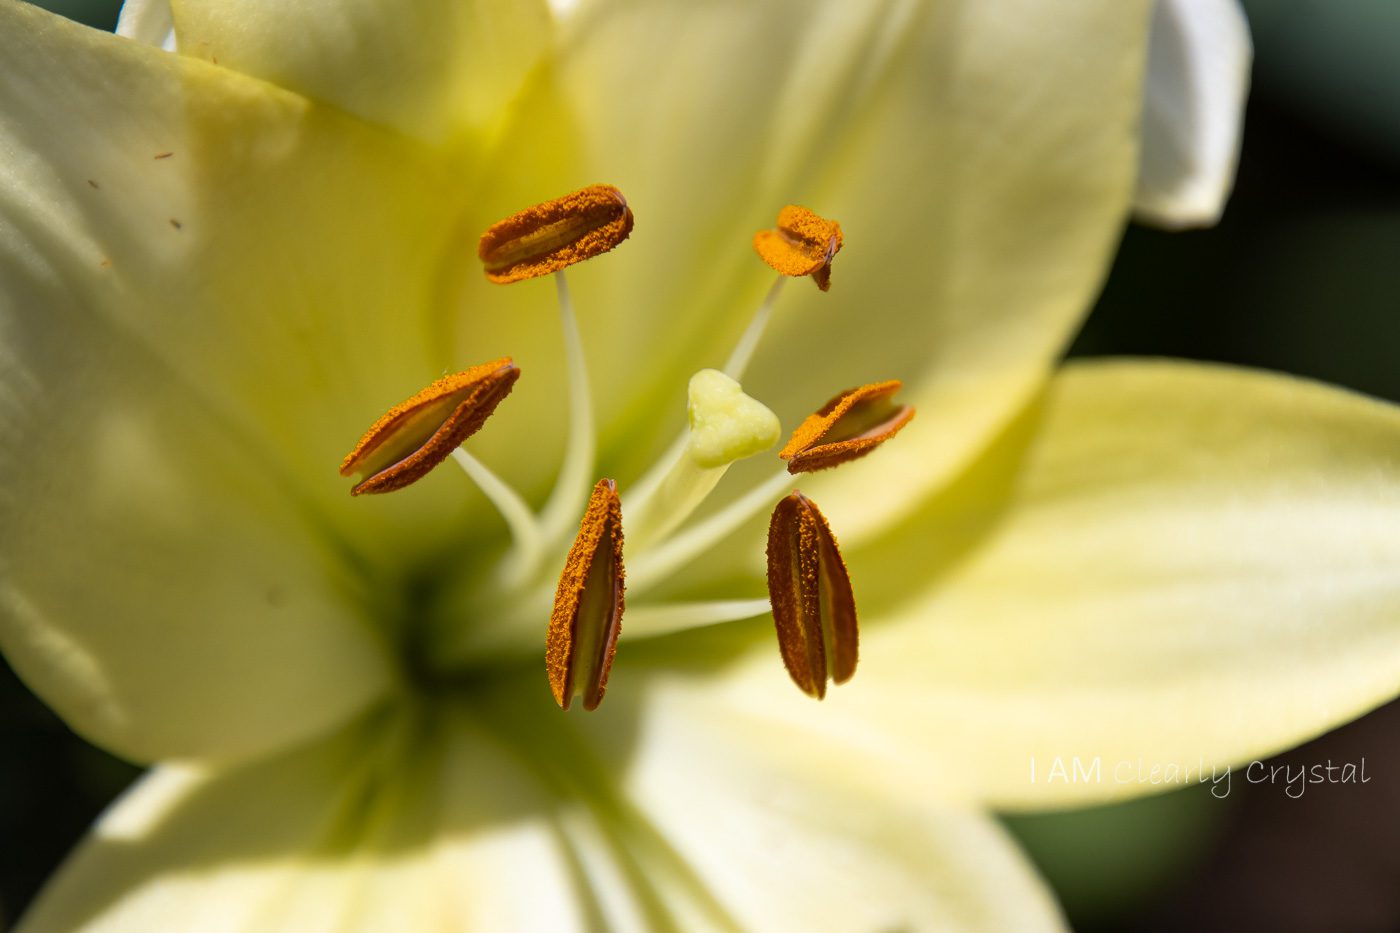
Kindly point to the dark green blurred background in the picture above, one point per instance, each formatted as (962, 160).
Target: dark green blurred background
(1302, 275)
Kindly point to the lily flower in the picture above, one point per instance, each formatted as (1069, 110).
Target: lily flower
(221, 266)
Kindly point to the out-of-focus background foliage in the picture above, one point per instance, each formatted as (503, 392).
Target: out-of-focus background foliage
(1303, 275)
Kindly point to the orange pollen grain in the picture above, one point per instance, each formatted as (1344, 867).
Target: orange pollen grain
(847, 427)
(803, 243)
(558, 233)
(417, 434)
(809, 587)
(588, 603)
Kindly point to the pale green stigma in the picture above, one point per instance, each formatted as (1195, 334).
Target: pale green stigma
(725, 424)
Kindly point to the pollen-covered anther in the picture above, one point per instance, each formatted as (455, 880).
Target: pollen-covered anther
(418, 434)
(803, 243)
(558, 233)
(588, 603)
(810, 592)
(847, 427)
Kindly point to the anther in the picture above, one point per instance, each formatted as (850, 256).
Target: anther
(803, 243)
(847, 427)
(588, 603)
(810, 591)
(558, 233)
(418, 434)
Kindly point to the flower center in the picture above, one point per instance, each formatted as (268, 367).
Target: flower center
(810, 594)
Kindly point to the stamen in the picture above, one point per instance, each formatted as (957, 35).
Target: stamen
(810, 589)
(658, 563)
(725, 426)
(558, 233)
(847, 427)
(669, 618)
(418, 434)
(743, 351)
(516, 512)
(803, 243)
(588, 604)
(571, 485)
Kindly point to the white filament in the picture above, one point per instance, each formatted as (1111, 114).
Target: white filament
(660, 562)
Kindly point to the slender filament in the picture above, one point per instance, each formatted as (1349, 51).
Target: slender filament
(524, 528)
(572, 486)
(659, 563)
(748, 343)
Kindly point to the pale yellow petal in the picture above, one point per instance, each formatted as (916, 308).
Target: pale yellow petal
(1175, 566)
(286, 264)
(442, 71)
(170, 583)
(363, 832)
(403, 823)
(780, 848)
(159, 586)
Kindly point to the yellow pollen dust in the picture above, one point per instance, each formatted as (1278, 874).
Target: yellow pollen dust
(849, 426)
(558, 233)
(417, 434)
(803, 243)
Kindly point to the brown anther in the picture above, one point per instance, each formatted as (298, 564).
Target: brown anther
(810, 591)
(418, 434)
(803, 243)
(587, 617)
(846, 428)
(549, 236)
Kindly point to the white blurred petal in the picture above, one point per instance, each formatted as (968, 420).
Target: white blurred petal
(148, 21)
(1198, 67)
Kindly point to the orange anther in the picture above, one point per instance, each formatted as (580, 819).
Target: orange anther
(418, 434)
(803, 243)
(558, 233)
(810, 591)
(588, 603)
(847, 427)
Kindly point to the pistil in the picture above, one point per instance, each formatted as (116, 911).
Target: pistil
(725, 425)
